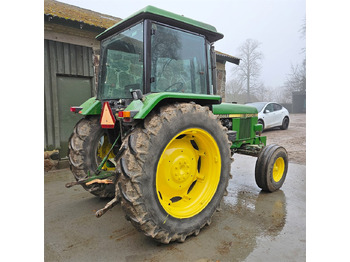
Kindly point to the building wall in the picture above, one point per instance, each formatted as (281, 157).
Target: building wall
(221, 80)
(299, 102)
(71, 35)
(68, 81)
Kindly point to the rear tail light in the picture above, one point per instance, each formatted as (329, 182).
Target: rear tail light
(127, 115)
(75, 109)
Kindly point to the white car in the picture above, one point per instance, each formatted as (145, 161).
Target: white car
(271, 115)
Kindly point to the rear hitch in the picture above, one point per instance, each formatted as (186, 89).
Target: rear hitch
(100, 176)
(108, 206)
(101, 179)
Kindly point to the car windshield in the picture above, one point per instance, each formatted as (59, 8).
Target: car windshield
(258, 105)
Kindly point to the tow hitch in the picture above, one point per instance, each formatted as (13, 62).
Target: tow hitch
(100, 176)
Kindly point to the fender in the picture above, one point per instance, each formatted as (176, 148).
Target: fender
(144, 106)
(91, 106)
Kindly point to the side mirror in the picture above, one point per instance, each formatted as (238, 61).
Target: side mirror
(267, 111)
(136, 94)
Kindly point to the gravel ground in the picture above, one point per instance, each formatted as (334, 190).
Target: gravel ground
(293, 139)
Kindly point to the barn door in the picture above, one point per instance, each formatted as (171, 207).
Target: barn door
(72, 91)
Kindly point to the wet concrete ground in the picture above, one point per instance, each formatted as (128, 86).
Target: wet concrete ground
(252, 225)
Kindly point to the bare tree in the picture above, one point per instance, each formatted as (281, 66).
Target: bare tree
(235, 91)
(248, 72)
(234, 87)
(296, 79)
(265, 93)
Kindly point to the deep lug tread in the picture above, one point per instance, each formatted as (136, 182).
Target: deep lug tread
(134, 160)
(79, 149)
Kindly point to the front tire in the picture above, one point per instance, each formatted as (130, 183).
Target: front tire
(271, 168)
(175, 172)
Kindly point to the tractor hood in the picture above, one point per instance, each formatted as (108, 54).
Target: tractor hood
(234, 110)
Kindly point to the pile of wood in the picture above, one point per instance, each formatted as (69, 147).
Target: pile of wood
(51, 160)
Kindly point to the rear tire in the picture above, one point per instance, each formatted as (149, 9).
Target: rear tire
(175, 172)
(83, 154)
(271, 168)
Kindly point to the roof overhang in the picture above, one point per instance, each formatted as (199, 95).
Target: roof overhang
(153, 13)
(222, 57)
(77, 17)
(72, 23)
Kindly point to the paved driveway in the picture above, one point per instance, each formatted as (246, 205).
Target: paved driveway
(252, 225)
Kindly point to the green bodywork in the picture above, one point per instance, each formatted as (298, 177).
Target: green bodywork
(228, 108)
(244, 122)
(150, 101)
(91, 107)
(244, 118)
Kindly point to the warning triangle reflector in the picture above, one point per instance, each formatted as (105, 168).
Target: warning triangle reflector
(107, 118)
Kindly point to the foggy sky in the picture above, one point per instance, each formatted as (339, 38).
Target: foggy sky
(274, 23)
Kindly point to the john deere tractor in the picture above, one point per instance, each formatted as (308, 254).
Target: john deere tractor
(157, 138)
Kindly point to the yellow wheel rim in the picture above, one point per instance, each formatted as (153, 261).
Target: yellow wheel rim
(188, 173)
(278, 169)
(102, 150)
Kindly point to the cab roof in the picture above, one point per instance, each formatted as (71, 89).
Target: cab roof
(160, 15)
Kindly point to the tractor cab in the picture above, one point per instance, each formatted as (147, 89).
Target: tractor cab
(157, 51)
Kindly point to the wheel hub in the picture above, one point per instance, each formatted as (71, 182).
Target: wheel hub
(179, 166)
(188, 173)
(181, 170)
(278, 169)
(102, 150)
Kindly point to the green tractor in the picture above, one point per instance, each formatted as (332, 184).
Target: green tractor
(157, 138)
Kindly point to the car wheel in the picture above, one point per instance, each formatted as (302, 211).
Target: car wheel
(285, 123)
(260, 121)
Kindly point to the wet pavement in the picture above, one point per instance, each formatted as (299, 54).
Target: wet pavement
(251, 226)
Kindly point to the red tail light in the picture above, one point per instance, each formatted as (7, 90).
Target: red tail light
(75, 109)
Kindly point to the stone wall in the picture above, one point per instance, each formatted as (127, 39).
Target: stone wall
(220, 80)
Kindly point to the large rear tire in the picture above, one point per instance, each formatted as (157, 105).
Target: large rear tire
(88, 145)
(175, 172)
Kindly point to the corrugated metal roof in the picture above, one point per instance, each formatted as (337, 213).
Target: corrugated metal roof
(74, 13)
